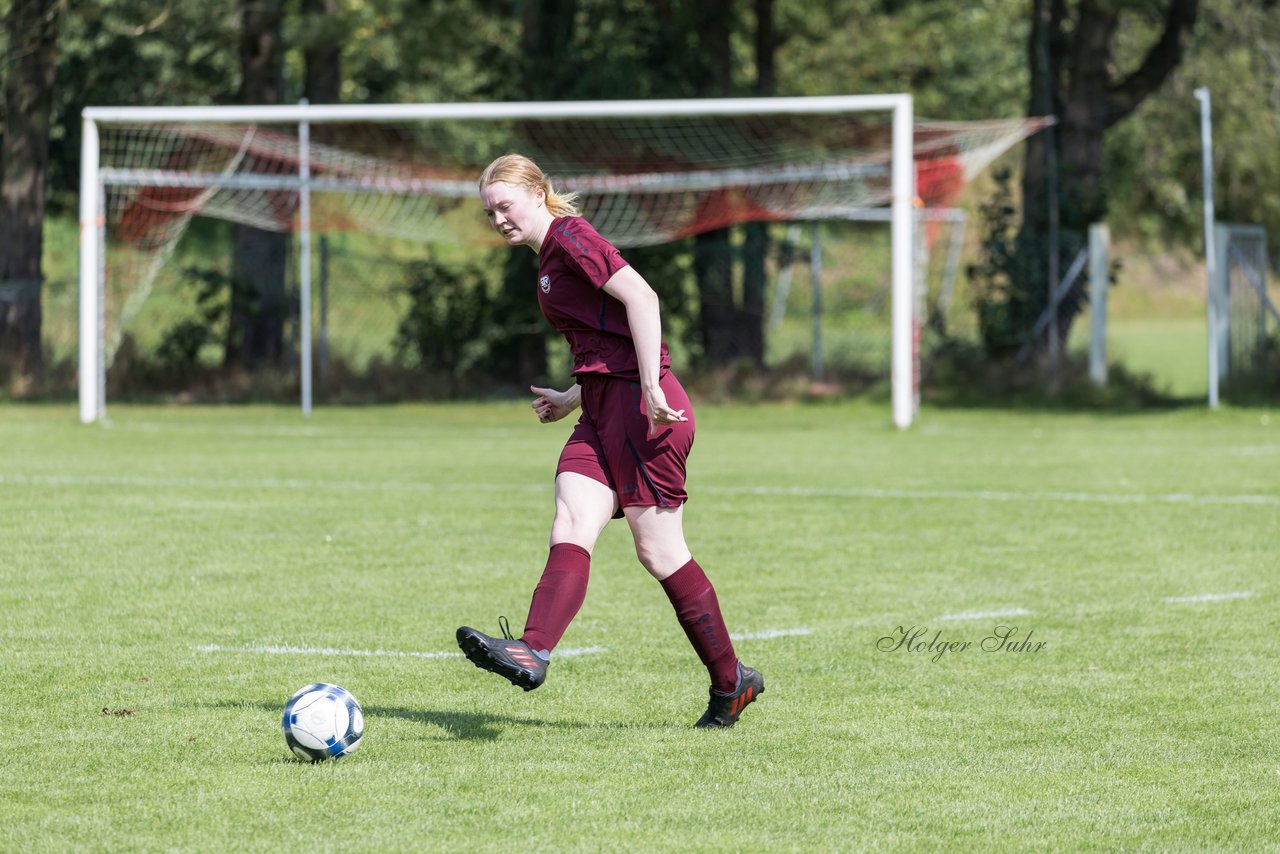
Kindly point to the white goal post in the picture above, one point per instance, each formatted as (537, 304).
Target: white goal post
(95, 179)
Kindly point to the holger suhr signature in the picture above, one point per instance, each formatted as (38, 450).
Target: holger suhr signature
(917, 639)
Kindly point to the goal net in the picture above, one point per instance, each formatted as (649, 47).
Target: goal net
(648, 172)
(1247, 333)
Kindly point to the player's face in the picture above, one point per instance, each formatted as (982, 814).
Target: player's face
(515, 212)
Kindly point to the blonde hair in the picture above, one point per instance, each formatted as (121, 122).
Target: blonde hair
(520, 171)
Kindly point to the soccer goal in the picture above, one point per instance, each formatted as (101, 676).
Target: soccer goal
(648, 172)
(1246, 324)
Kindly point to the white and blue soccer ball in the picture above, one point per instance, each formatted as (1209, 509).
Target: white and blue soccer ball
(322, 721)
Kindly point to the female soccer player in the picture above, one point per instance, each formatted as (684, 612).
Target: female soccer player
(626, 455)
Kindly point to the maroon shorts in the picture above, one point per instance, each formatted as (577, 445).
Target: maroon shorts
(610, 442)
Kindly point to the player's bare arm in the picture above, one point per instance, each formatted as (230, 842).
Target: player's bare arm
(551, 405)
(644, 318)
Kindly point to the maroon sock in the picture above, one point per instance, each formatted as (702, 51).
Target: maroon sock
(558, 596)
(698, 611)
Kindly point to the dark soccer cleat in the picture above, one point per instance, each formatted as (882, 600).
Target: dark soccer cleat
(723, 710)
(505, 656)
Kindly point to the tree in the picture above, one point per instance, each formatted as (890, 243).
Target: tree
(956, 59)
(322, 51)
(32, 30)
(732, 319)
(1235, 53)
(139, 52)
(755, 245)
(713, 250)
(543, 72)
(256, 330)
(1072, 53)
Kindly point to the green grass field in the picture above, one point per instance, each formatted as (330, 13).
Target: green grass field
(168, 581)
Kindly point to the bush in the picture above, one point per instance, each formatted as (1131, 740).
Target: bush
(957, 373)
(448, 329)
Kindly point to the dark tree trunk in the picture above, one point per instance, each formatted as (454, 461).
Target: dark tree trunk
(32, 31)
(755, 245)
(258, 310)
(1044, 59)
(519, 355)
(766, 49)
(713, 270)
(547, 36)
(322, 53)
(755, 249)
(712, 250)
(1072, 60)
(732, 328)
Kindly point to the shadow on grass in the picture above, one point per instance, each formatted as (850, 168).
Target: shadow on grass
(460, 725)
(468, 726)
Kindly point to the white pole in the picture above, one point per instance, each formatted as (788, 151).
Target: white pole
(905, 325)
(1099, 287)
(304, 259)
(90, 300)
(905, 371)
(1220, 293)
(101, 279)
(815, 279)
(504, 110)
(1210, 261)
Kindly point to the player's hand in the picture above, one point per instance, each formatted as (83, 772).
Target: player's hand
(551, 405)
(659, 413)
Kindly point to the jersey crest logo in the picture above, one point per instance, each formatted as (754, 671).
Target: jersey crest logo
(545, 284)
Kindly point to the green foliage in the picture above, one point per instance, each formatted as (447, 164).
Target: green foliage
(1154, 168)
(403, 50)
(963, 61)
(447, 328)
(190, 354)
(960, 374)
(1010, 281)
(136, 52)
(1002, 279)
(960, 61)
(668, 269)
(179, 350)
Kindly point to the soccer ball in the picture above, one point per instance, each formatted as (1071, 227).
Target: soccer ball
(322, 721)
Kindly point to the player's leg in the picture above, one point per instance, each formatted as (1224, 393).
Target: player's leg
(584, 506)
(585, 501)
(659, 538)
(661, 547)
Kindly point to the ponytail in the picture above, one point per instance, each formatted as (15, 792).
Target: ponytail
(520, 171)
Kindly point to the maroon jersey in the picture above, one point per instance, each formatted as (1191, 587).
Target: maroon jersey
(573, 266)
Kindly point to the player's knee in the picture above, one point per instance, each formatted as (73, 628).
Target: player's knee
(661, 558)
(575, 525)
(562, 530)
(563, 525)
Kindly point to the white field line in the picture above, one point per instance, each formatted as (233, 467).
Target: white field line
(309, 484)
(285, 649)
(1023, 612)
(1212, 597)
(294, 484)
(571, 652)
(770, 634)
(1255, 451)
(986, 615)
(999, 495)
